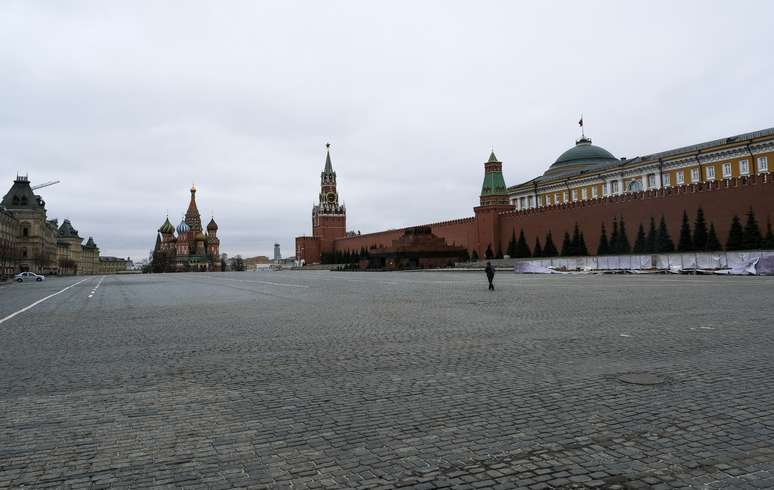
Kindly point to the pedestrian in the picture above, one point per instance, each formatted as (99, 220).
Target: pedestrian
(490, 272)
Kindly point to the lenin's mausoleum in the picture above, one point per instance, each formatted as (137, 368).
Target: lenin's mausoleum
(589, 187)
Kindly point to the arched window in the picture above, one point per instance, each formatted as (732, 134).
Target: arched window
(635, 186)
(24, 253)
(25, 231)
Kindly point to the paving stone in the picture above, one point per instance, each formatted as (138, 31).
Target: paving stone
(360, 380)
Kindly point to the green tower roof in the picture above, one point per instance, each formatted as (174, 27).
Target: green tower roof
(494, 183)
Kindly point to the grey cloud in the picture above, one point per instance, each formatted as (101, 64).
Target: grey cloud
(130, 103)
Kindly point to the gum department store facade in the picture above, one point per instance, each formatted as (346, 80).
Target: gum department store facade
(29, 241)
(587, 186)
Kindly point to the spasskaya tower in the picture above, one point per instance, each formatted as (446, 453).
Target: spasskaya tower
(329, 217)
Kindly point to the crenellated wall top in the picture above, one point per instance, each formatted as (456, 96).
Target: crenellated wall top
(734, 182)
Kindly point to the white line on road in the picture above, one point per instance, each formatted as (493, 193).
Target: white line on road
(41, 300)
(94, 291)
(262, 282)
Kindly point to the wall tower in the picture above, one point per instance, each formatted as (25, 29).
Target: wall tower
(329, 218)
(493, 200)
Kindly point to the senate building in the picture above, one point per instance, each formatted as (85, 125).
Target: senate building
(586, 171)
(586, 191)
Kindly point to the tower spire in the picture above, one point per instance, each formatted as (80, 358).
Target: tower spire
(328, 166)
(192, 217)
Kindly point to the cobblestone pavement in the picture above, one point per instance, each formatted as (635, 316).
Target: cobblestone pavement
(383, 380)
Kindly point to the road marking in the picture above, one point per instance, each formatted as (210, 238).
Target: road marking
(625, 335)
(41, 300)
(94, 291)
(261, 282)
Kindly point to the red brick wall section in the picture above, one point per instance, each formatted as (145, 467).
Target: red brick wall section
(308, 249)
(460, 232)
(719, 200)
(328, 229)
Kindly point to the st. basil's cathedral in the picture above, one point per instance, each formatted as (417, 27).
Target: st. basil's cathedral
(193, 249)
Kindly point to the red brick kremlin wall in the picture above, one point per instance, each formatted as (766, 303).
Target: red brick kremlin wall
(456, 232)
(719, 200)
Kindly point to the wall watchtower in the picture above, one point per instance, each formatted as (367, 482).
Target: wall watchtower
(329, 217)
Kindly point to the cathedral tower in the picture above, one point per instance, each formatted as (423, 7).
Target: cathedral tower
(192, 218)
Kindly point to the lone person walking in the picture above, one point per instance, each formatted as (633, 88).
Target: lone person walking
(490, 272)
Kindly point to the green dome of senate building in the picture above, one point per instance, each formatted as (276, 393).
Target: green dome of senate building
(580, 157)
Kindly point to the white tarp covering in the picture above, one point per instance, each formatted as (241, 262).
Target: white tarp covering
(756, 262)
(532, 268)
(765, 266)
(709, 261)
(741, 268)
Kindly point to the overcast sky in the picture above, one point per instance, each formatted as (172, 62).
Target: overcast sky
(129, 103)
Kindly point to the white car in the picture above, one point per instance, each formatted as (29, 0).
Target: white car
(29, 276)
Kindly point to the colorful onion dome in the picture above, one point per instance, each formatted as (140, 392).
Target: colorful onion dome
(212, 225)
(167, 227)
(183, 228)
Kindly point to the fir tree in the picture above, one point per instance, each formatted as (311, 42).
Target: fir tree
(614, 238)
(465, 256)
(488, 252)
(538, 250)
(751, 235)
(512, 244)
(713, 244)
(522, 249)
(582, 250)
(735, 233)
(575, 242)
(474, 256)
(686, 243)
(550, 249)
(664, 243)
(651, 240)
(768, 240)
(499, 254)
(566, 245)
(641, 243)
(699, 231)
(623, 239)
(604, 247)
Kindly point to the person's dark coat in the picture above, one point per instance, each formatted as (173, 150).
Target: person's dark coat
(490, 271)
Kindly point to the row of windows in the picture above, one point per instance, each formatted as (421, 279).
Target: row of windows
(709, 172)
(613, 187)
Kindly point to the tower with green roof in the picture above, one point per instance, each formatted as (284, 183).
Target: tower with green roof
(493, 190)
(493, 201)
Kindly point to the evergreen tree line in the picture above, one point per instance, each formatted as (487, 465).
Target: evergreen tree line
(656, 240)
(518, 248)
(701, 238)
(348, 257)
